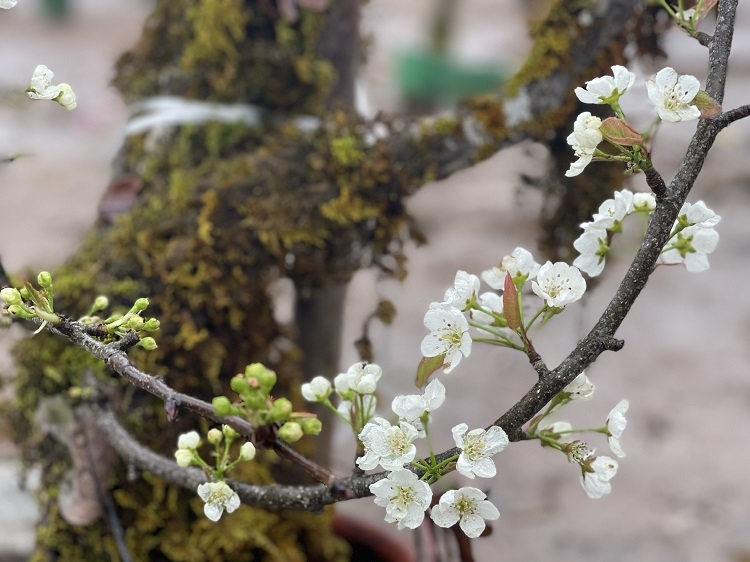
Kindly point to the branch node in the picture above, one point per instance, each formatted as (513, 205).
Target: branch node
(612, 344)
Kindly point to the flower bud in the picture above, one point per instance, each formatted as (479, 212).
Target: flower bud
(151, 325)
(281, 410)
(266, 377)
(184, 457)
(44, 279)
(229, 432)
(66, 97)
(291, 432)
(317, 390)
(100, 303)
(189, 440)
(222, 406)
(255, 400)
(11, 296)
(247, 452)
(239, 384)
(140, 304)
(135, 323)
(148, 343)
(214, 436)
(311, 426)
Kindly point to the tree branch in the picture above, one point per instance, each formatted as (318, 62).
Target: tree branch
(601, 337)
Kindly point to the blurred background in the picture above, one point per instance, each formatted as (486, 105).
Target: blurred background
(681, 494)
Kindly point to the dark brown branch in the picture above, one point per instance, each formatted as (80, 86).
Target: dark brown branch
(309, 498)
(119, 362)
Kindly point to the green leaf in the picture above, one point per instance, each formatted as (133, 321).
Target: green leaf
(427, 366)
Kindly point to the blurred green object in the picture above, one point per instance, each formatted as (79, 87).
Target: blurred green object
(429, 76)
(56, 9)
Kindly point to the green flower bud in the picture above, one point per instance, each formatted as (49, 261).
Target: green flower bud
(215, 436)
(140, 304)
(266, 377)
(11, 296)
(281, 410)
(151, 325)
(229, 432)
(148, 343)
(255, 400)
(311, 426)
(291, 432)
(135, 323)
(222, 406)
(100, 303)
(44, 279)
(239, 384)
(25, 294)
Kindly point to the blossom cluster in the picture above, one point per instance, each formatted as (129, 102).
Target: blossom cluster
(391, 446)
(557, 284)
(675, 98)
(596, 470)
(693, 236)
(216, 494)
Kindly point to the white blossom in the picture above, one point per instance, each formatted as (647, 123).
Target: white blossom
(463, 292)
(317, 390)
(672, 95)
(580, 388)
(361, 378)
(559, 284)
(558, 429)
(467, 507)
(616, 423)
(612, 211)
(593, 248)
(691, 246)
(597, 472)
(218, 497)
(412, 407)
(477, 447)
(390, 446)
(449, 335)
(7, 4)
(584, 139)
(606, 89)
(491, 302)
(189, 440)
(644, 202)
(404, 497)
(697, 214)
(520, 263)
(41, 87)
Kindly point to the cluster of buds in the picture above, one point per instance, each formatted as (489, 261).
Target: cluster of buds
(216, 493)
(257, 405)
